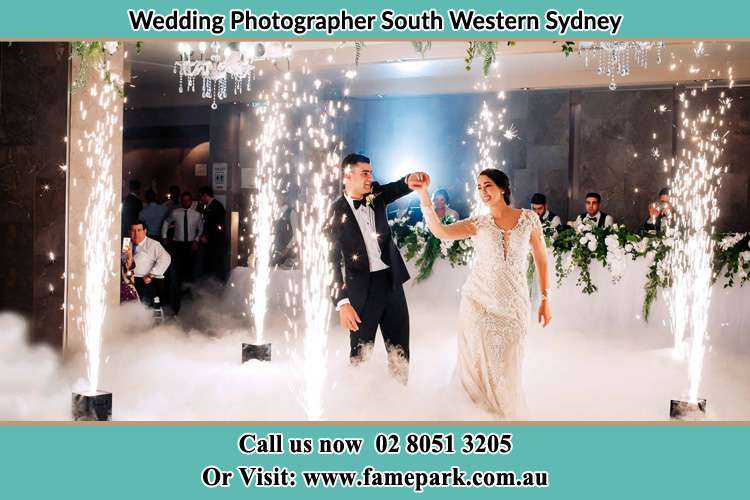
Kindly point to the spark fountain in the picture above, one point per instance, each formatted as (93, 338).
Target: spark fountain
(317, 276)
(694, 188)
(317, 271)
(269, 146)
(311, 145)
(488, 131)
(96, 145)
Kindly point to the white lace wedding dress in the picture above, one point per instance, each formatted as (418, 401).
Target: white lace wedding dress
(494, 314)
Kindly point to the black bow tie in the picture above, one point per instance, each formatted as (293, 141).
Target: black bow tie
(359, 203)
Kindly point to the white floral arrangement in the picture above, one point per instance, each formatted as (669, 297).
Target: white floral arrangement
(577, 247)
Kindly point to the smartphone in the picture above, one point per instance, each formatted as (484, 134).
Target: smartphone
(125, 244)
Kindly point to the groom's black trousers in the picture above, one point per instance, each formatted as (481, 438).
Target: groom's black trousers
(385, 307)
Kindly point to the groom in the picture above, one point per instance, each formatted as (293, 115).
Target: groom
(368, 271)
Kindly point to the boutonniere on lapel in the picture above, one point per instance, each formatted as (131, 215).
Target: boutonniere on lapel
(370, 199)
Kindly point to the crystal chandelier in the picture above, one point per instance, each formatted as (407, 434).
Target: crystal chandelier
(215, 66)
(614, 58)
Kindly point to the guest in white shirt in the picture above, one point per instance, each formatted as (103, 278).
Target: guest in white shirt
(153, 215)
(593, 214)
(186, 222)
(148, 261)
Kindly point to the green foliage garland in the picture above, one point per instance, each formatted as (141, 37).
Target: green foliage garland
(573, 248)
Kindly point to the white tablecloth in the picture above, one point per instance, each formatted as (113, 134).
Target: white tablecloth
(614, 310)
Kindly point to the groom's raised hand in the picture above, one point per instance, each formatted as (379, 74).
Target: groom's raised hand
(349, 318)
(418, 180)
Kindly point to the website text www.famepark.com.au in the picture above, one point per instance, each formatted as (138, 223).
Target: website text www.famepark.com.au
(369, 477)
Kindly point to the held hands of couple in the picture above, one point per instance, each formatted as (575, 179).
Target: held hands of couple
(418, 181)
(349, 318)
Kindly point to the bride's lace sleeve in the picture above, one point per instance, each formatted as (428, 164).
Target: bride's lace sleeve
(537, 231)
(457, 231)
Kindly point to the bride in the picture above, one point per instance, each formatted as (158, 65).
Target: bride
(494, 310)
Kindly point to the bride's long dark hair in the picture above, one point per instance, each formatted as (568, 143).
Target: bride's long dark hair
(500, 179)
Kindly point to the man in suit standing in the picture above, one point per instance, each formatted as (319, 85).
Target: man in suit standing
(131, 207)
(368, 268)
(214, 235)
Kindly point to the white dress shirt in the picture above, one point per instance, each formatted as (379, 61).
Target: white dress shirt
(608, 221)
(554, 222)
(365, 217)
(177, 218)
(150, 258)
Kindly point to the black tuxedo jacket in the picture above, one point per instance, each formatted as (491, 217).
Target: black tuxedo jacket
(351, 267)
(215, 223)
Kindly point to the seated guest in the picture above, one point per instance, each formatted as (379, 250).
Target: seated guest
(153, 214)
(148, 262)
(593, 213)
(441, 201)
(539, 205)
(657, 212)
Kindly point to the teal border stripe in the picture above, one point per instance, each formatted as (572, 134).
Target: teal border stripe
(84, 19)
(584, 462)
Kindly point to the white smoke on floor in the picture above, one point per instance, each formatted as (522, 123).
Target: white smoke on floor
(191, 370)
(30, 384)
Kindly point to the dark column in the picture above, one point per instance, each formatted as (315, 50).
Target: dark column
(613, 150)
(33, 126)
(226, 130)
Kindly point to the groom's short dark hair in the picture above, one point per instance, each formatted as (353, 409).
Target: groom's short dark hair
(353, 159)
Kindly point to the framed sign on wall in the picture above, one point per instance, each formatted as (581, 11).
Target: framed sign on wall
(219, 178)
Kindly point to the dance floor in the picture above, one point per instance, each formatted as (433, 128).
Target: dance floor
(598, 361)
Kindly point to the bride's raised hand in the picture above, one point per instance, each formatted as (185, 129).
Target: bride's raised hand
(545, 315)
(418, 181)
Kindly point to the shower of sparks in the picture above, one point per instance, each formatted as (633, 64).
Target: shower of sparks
(96, 231)
(300, 147)
(699, 49)
(320, 154)
(269, 147)
(317, 278)
(694, 187)
(488, 131)
(511, 133)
